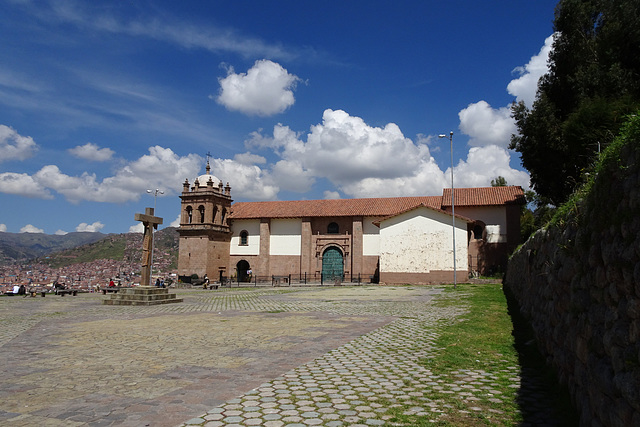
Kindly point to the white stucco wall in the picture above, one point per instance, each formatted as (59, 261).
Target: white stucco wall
(370, 237)
(286, 237)
(421, 240)
(494, 217)
(253, 228)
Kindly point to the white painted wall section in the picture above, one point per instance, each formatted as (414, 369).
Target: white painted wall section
(286, 237)
(253, 228)
(370, 237)
(494, 217)
(420, 241)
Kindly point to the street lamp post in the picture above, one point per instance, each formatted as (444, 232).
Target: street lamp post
(453, 209)
(155, 198)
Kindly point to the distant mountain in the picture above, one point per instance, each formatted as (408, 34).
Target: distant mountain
(24, 246)
(119, 247)
(73, 248)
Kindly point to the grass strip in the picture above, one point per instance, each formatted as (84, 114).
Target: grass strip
(478, 366)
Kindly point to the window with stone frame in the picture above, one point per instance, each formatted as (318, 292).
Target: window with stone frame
(244, 238)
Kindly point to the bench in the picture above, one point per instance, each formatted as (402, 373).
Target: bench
(62, 292)
(110, 289)
(278, 280)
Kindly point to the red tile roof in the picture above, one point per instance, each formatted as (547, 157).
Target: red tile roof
(421, 205)
(335, 207)
(380, 207)
(484, 196)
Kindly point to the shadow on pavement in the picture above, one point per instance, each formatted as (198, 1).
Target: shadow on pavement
(542, 399)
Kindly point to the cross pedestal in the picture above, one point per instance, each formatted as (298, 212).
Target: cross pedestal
(150, 223)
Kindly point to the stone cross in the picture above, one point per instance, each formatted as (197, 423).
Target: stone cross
(150, 223)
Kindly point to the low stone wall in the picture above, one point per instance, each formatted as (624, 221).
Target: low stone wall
(578, 284)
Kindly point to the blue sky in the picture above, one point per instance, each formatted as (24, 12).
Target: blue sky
(103, 100)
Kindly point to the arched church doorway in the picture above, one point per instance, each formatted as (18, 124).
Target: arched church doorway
(332, 264)
(243, 270)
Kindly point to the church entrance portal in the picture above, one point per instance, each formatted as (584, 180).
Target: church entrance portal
(332, 264)
(243, 270)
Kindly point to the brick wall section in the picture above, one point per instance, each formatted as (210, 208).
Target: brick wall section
(579, 286)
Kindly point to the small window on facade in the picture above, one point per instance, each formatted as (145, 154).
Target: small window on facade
(215, 214)
(244, 238)
(224, 215)
(333, 228)
(201, 210)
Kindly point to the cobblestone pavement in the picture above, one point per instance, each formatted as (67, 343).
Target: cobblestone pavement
(328, 356)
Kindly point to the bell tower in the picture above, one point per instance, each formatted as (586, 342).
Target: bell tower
(204, 230)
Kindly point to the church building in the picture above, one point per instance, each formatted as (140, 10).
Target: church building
(393, 240)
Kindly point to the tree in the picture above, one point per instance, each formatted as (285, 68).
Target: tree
(500, 181)
(592, 84)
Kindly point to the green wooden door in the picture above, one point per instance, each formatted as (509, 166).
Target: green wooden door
(332, 264)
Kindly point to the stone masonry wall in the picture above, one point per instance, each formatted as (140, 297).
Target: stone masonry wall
(578, 284)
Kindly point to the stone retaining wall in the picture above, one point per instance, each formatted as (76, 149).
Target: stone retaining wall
(578, 284)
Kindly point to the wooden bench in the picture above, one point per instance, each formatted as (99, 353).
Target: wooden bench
(113, 289)
(62, 292)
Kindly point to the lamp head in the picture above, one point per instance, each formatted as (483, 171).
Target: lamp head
(442, 135)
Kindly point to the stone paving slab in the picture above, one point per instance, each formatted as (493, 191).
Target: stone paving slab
(72, 361)
(331, 356)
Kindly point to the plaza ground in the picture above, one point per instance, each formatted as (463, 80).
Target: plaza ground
(294, 356)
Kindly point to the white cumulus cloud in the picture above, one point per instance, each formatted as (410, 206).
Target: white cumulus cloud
(138, 228)
(161, 168)
(175, 222)
(14, 146)
(359, 159)
(60, 233)
(247, 181)
(92, 152)
(525, 86)
(23, 184)
(484, 164)
(3, 228)
(331, 195)
(31, 229)
(91, 228)
(486, 125)
(264, 90)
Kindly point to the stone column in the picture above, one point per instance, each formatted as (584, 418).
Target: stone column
(357, 247)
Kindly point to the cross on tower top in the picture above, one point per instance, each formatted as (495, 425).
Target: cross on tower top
(208, 167)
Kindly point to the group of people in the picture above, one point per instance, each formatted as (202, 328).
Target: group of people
(159, 283)
(19, 290)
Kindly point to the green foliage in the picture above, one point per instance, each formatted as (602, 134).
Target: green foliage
(612, 165)
(593, 83)
(500, 181)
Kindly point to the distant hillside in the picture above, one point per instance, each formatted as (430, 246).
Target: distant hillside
(120, 247)
(24, 246)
